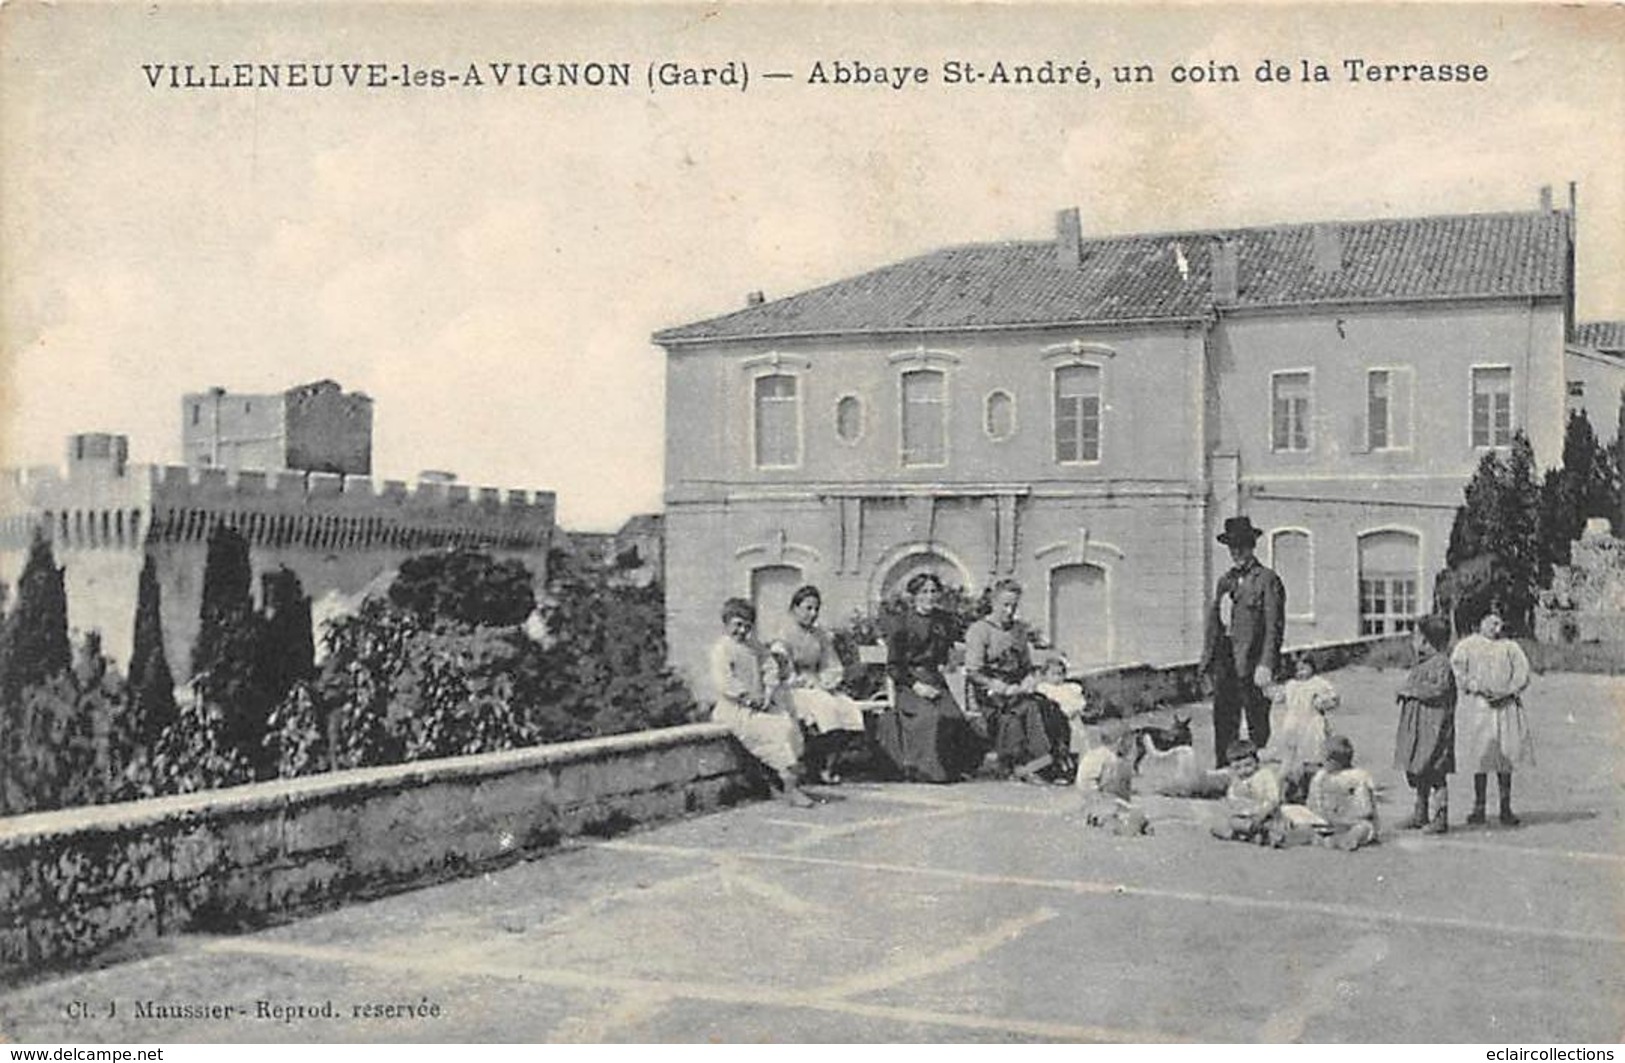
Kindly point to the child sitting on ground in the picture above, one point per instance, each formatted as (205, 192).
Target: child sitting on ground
(1344, 798)
(1253, 798)
(1106, 781)
(1298, 738)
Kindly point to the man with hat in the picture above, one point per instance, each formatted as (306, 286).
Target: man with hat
(1242, 646)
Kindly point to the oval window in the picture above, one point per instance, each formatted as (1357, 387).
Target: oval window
(849, 418)
(999, 417)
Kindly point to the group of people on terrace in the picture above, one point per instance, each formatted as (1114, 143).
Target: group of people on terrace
(1290, 779)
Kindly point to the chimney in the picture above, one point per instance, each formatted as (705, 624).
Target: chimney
(1226, 270)
(1546, 198)
(1327, 241)
(755, 298)
(1068, 239)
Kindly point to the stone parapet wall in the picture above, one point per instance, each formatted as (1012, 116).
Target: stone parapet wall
(77, 882)
(1140, 688)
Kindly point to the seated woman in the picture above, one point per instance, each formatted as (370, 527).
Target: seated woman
(745, 678)
(925, 734)
(833, 721)
(1029, 732)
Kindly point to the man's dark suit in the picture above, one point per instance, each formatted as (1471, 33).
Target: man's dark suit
(1231, 656)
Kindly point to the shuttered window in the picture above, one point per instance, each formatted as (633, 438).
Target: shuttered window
(1077, 413)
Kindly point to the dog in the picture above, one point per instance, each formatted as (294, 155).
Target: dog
(1165, 737)
(1166, 764)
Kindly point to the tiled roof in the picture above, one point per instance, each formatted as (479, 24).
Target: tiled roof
(1603, 335)
(642, 524)
(1167, 277)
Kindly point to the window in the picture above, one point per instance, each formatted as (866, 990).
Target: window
(1290, 557)
(999, 415)
(1077, 413)
(849, 419)
(1492, 406)
(1290, 417)
(1389, 565)
(778, 434)
(924, 424)
(197, 412)
(1577, 389)
(1388, 409)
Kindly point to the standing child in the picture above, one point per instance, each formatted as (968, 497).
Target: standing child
(1298, 743)
(1425, 745)
(1344, 798)
(1491, 673)
(745, 679)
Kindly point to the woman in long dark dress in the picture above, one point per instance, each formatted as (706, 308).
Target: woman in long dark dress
(925, 733)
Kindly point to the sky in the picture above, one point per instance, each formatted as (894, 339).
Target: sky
(489, 263)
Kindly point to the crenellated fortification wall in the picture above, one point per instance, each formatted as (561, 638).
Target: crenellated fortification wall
(340, 534)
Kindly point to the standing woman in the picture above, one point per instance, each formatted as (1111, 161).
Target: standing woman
(925, 733)
(1491, 673)
(835, 722)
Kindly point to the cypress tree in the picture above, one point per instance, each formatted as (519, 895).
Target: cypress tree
(225, 659)
(36, 633)
(288, 650)
(152, 684)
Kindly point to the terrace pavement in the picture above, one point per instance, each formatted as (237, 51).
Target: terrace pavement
(985, 911)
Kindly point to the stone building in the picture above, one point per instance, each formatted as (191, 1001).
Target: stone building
(1082, 413)
(1596, 374)
(313, 427)
(342, 534)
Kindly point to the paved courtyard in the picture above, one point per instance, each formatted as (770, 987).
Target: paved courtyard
(980, 912)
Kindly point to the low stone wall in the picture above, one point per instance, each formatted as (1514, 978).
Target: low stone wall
(1132, 689)
(75, 882)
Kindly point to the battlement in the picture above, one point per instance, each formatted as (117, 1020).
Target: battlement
(283, 508)
(203, 486)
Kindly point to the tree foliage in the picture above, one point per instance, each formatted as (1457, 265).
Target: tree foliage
(152, 684)
(1586, 486)
(228, 715)
(36, 632)
(466, 586)
(62, 750)
(604, 669)
(1512, 529)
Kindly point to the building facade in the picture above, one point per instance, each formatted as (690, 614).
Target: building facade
(1083, 414)
(343, 535)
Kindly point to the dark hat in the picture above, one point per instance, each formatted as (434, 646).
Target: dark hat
(1239, 531)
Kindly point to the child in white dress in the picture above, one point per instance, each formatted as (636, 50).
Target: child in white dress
(1298, 740)
(1068, 697)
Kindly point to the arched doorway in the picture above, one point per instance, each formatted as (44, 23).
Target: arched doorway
(909, 562)
(770, 589)
(1080, 614)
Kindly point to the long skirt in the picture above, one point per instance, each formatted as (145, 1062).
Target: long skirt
(1425, 743)
(1027, 727)
(928, 740)
(1497, 738)
(772, 738)
(825, 712)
